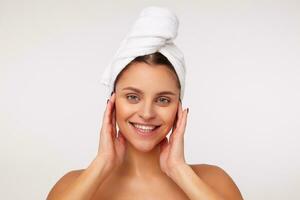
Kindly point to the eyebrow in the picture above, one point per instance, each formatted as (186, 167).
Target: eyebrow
(141, 92)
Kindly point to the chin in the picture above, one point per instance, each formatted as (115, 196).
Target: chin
(143, 146)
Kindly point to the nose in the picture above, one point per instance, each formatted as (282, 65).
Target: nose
(146, 111)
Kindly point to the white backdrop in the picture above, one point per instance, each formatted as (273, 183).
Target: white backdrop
(242, 89)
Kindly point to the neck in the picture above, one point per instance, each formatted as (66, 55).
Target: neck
(141, 164)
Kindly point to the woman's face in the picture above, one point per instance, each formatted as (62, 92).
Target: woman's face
(147, 99)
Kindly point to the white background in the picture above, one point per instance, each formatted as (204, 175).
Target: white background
(242, 89)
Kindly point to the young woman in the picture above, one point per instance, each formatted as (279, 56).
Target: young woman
(135, 159)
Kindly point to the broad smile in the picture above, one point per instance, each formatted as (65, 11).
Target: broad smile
(144, 129)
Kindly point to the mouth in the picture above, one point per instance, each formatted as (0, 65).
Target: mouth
(144, 129)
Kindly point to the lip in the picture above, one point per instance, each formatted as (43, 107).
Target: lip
(143, 134)
(143, 124)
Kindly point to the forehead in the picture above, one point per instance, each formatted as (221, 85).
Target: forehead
(154, 78)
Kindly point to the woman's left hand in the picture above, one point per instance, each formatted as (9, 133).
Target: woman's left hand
(172, 151)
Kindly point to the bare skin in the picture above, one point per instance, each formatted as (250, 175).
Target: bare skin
(123, 188)
(128, 166)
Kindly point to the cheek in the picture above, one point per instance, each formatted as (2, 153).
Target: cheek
(119, 111)
(169, 116)
(123, 111)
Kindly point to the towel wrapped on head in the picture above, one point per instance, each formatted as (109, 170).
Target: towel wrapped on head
(154, 31)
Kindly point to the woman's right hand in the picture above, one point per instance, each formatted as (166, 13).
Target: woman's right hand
(111, 152)
(111, 148)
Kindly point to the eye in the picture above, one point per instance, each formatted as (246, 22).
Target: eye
(163, 100)
(132, 98)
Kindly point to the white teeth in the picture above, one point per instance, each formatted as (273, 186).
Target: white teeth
(144, 128)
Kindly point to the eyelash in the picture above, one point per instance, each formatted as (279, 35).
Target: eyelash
(135, 97)
(130, 96)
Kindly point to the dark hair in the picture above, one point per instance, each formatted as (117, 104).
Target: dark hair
(152, 59)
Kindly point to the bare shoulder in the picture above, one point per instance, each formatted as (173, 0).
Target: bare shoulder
(217, 178)
(64, 182)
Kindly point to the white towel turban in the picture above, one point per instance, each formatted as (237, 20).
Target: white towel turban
(154, 31)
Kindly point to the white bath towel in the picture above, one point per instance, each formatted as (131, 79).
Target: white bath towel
(154, 31)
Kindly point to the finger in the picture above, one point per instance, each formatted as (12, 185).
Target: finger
(175, 122)
(108, 111)
(179, 113)
(113, 100)
(113, 116)
(180, 129)
(114, 132)
(178, 116)
(182, 125)
(107, 120)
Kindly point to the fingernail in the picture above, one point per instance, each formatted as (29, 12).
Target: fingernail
(187, 110)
